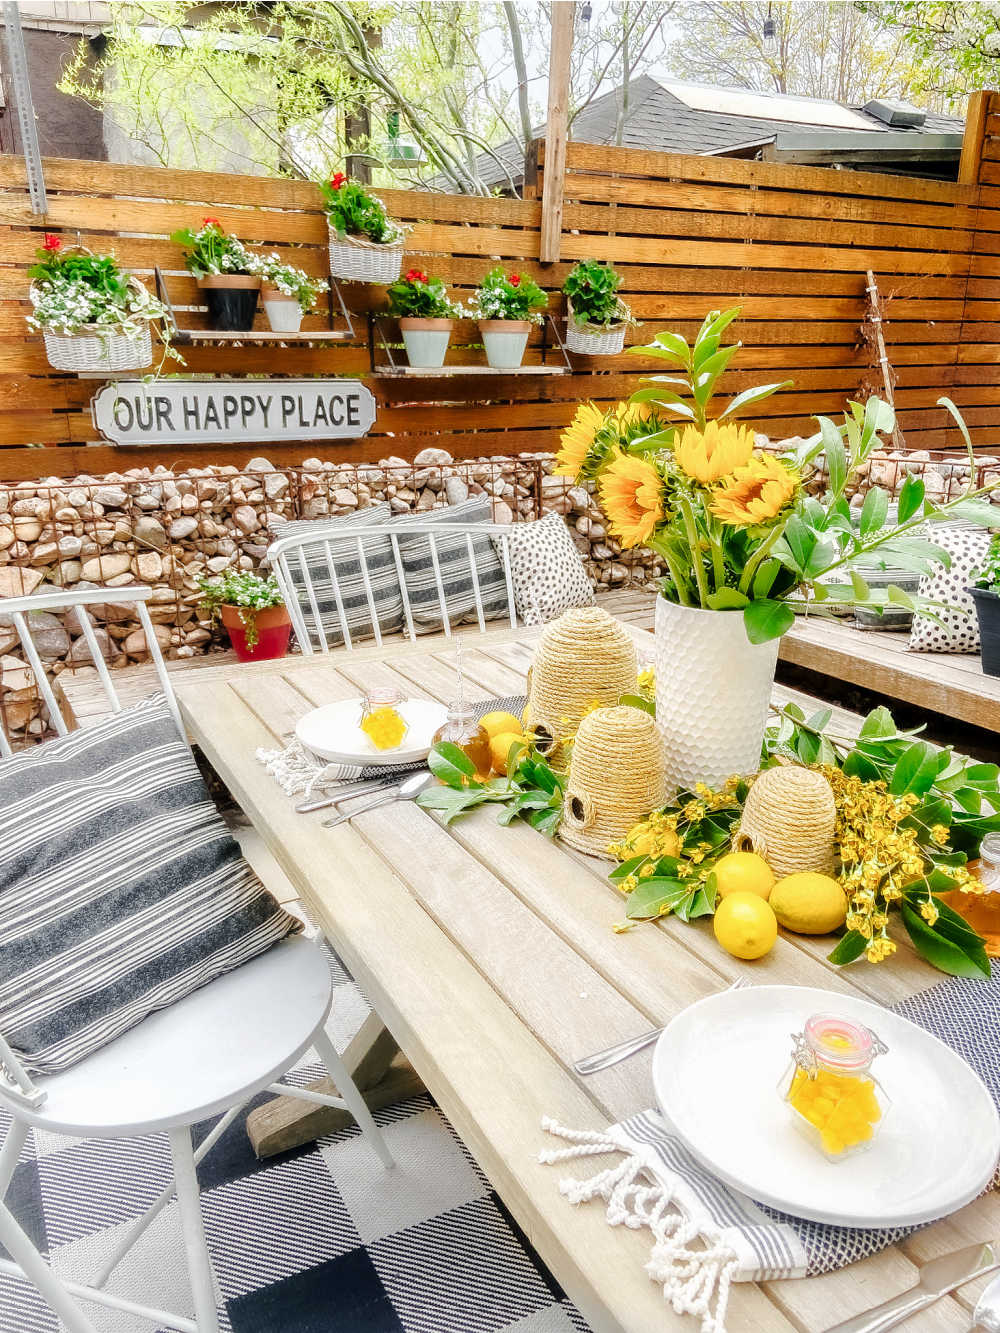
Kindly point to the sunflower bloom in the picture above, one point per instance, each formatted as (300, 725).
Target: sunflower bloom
(632, 496)
(577, 440)
(713, 453)
(754, 494)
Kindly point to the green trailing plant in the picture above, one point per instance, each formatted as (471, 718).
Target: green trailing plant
(532, 791)
(247, 592)
(211, 250)
(503, 295)
(592, 290)
(352, 212)
(416, 296)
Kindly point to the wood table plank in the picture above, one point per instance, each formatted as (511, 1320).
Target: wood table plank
(489, 952)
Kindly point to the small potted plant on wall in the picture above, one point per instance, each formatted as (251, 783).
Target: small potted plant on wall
(287, 293)
(986, 594)
(506, 305)
(251, 608)
(596, 316)
(94, 317)
(425, 314)
(226, 271)
(365, 243)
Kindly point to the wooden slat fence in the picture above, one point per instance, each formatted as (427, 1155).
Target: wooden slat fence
(791, 244)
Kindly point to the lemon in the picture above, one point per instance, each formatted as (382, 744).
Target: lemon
(500, 747)
(809, 903)
(494, 724)
(743, 872)
(744, 925)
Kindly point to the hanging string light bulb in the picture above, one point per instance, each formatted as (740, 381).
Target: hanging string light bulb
(770, 32)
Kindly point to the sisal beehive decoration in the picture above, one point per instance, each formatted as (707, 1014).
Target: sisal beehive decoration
(585, 657)
(789, 820)
(615, 778)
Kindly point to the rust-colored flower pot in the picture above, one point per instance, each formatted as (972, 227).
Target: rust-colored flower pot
(274, 626)
(231, 299)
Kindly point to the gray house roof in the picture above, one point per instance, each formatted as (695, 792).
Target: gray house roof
(661, 118)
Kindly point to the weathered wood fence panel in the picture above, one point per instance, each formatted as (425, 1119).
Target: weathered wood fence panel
(790, 244)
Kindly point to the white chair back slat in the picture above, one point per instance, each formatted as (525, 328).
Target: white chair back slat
(290, 558)
(439, 583)
(83, 619)
(369, 595)
(508, 575)
(480, 616)
(411, 632)
(15, 1081)
(77, 601)
(56, 718)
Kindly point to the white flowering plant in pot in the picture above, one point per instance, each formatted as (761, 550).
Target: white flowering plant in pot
(92, 314)
(506, 305)
(288, 293)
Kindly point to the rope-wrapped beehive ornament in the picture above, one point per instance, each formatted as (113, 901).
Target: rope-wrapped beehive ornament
(584, 658)
(615, 778)
(789, 820)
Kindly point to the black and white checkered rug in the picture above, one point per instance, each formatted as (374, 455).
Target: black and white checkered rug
(320, 1240)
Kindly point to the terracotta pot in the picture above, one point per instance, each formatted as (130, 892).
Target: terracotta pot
(426, 340)
(505, 341)
(274, 626)
(231, 299)
(284, 314)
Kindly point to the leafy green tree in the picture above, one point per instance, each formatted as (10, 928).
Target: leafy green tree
(955, 43)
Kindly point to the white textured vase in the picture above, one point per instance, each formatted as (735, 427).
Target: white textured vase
(712, 692)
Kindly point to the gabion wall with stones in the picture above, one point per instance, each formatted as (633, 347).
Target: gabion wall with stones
(164, 528)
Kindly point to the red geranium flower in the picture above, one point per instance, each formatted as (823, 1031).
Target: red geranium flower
(338, 180)
(515, 279)
(211, 222)
(52, 242)
(415, 275)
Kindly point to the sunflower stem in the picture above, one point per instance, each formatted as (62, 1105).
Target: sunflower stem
(691, 531)
(759, 556)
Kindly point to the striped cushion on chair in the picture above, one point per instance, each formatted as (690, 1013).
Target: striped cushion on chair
(121, 889)
(383, 574)
(453, 562)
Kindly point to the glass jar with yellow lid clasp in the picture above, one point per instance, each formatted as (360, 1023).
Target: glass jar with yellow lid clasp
(829, 1086)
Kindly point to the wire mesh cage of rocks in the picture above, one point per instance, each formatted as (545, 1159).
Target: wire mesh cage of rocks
(615, 778)
(583, 658)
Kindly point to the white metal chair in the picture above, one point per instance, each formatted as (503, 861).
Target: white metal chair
(206, 1055)
(296, 559)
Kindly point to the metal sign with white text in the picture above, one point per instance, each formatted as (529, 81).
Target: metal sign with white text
(232, 411)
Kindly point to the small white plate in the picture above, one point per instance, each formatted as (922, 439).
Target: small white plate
(716, 1070)
(333, 732)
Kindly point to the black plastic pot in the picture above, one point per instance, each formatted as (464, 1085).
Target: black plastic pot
(988, 611)
(231, 300)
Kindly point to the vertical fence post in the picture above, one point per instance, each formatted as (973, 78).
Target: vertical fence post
(556, 130)
(973, 138)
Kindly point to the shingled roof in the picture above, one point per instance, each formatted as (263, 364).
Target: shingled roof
(659, 120)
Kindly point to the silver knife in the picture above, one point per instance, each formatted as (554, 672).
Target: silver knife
(936, 1278)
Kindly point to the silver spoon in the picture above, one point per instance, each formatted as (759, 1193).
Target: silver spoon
(986, 1315)
(406, 791)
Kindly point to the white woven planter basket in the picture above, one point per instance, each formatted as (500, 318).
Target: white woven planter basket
(97, 353)
(609, 343)
(363, 261)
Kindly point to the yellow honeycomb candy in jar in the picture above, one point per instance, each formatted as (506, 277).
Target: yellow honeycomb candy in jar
(381, 720)
(836, 1100)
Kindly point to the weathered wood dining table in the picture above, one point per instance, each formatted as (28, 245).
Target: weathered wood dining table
(490, 955)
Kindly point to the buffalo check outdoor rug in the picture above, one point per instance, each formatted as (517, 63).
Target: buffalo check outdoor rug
(318, 1240)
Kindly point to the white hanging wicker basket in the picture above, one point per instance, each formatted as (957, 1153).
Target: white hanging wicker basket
(587, 341)
(364, 261)
(100, 351)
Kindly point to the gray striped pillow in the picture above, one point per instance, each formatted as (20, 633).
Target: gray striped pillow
(383, 574)
(453, 561)
(121, 889)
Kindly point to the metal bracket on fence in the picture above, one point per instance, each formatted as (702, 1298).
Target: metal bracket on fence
(17, 60)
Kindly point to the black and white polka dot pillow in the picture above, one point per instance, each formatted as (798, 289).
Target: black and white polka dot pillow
(546, 568)
(958, 630)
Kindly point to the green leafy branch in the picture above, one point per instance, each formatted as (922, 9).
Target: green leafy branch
(532, 791)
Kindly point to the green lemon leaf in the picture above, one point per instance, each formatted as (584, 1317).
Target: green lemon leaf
(851, 947)
(450, 764)
(959, 958)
